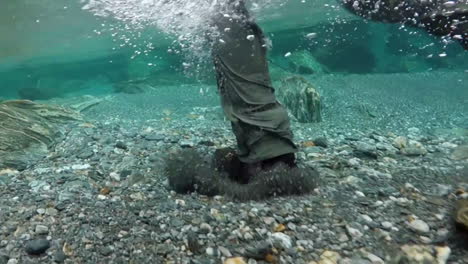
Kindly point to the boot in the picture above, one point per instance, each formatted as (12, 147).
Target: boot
(289, 159)
(226, 160)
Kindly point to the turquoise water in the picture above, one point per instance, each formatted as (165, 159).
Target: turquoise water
(51, 49)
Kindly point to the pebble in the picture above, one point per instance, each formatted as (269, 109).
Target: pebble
(237, 260)
(114, 176)
(80, 166)
(59, 256)
(121, 145)
(268, 220)
(419, 226)
(37, 247)
(366, 218)
(400, 142)
(281, 240)
(51, 211)
(387, 225)
(205, 228)
(365, 147)
(353, 232)
(154, 137)
(225, 251)
(329, 257)
(106, 251)
(210, 251)
(41, 230)
(354, 162)
(374, 259)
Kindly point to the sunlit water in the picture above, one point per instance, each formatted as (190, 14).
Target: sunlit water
(46, 44)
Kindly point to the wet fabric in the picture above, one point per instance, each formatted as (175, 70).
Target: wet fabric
(260, 123)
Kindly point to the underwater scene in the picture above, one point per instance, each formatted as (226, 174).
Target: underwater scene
(234, 131)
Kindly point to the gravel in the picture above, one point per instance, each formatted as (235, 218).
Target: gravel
(373, 203)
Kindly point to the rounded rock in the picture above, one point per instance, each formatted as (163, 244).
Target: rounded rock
(37, 247)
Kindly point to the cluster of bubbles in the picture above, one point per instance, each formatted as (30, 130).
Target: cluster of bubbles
(187, 23)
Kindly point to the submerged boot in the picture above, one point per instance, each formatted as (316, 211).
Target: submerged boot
(249, 171)
(288, 159)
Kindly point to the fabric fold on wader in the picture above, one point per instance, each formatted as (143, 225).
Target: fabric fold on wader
(260, 123)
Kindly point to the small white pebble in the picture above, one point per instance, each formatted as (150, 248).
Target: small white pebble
(378, 203)
(374, 259)
(387, 225)
(12, 261)
(367, 218)
(360, 194)
(210, 251)
(311, 35)
(180, 202)
(419, 226)
(250, 37)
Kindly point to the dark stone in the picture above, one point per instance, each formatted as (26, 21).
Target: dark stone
(3, 259)
(59, 256)
(125, 173)
(121, 145)
(106, 251)
(259, 251)
(86, 154)
(193, 244)
(207, 143)
(37, 247)
(321, 142)
(164, 249)
(154, 137)
(61, 206)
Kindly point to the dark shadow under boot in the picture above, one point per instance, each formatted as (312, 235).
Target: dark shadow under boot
(227, 161)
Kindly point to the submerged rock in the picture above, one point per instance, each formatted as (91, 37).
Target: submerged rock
(461, 213)
(304, 63)
(132, 86)
(301, 98)
(37, 247)
(422, 254)
(27, 130)
(460, 153)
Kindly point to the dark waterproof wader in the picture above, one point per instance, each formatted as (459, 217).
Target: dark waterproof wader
(260, 123)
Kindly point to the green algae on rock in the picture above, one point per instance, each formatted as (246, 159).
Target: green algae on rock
(28, 129)
(301, 98)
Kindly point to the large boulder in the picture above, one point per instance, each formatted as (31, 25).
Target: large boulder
(302, 62)
(301, 99)
(132, 86)
(28, 129)
(461, 213)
